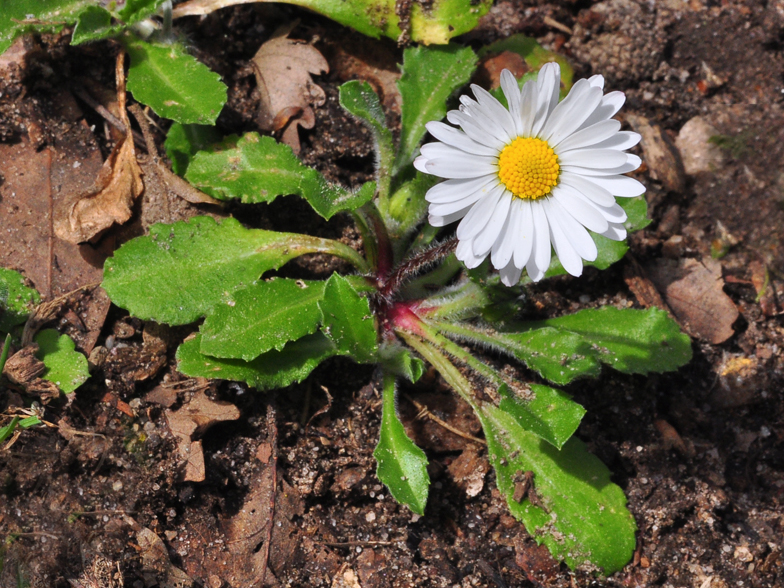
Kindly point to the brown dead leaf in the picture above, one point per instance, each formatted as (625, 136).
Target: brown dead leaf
(23, 368)
(488, 73)
(84, 216)
(283, 68)
(346, 578)
(660, 154)
(158, 568)
(373, 569)
(192, 419)
(469, 471)
(694, 291)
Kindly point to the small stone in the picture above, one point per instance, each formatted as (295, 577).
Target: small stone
(697, 152)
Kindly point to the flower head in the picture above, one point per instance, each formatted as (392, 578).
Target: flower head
(535, 174)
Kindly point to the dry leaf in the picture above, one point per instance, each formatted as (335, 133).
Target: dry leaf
(193, 418)
(23, 368)
(469, 470)
(694, 292)
(119, 183)
(660, 154)
(156, 562)
(283, 68)
(488, 73)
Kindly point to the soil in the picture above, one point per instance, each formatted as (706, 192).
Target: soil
(98, 498)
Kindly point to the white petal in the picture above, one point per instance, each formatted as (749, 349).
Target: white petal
(548, 85)
(450, 190)
(588, 137)
(460, 166)
(512, 92)
(541, 251)
(503, 249)
(570, 259)
(419, 163)
(528, 108)
(442, 221)
(593, 158)
(474, 130)
(587, 188)
(581, 208)
(597, 81)
(614, 214)
(451, 207)
(587, 171)
(477, 217)
(490, 121)
(571, 112)
(615, 232)
(576, 232)
(455, 138)
(621, 141)
(465, 254)
(623, 186)
(483, 242)
(510, 274)
(495, 110)
(525, 237)
(610, 104)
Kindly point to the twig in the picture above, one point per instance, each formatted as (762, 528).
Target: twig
(272, 439)
(425, 412)
(107, 116)
(551, 22)
(360, 543)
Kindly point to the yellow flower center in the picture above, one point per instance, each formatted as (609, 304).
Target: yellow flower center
(528, 167)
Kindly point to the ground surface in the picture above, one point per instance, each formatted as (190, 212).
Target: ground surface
(98, 498)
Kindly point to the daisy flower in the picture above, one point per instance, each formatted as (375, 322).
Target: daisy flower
(535, 174)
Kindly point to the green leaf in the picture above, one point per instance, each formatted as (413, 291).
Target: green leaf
(636, 211)
(259, 169)
(274, 369)
(399, 361)
(548, 413)
(179, 272)
(263, 316)
(7, 430)
(94, 23)
(174, 84)
(4, 351)
(65, 366)
(136, 10)
(402, 466)
(584, 519)
(430, 76)
(16, 300)
(185, 141)
(348, 321)
(359, 99)
(18, 17)
(408, 205)
(629, 340)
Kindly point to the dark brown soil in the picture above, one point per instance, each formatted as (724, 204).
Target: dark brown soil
(699, 453)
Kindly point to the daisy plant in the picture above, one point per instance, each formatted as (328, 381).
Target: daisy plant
(524, 173)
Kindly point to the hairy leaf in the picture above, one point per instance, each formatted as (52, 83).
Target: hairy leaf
(94, 23)
(629, 340)
(173, 83)
(430, 76)
(16, 300)
(136, 10)
(179, 272)
(185, 141)
(402, 466)
(548, 413)
(259, 169)
(399, 361)
(348, 321)
(274, 369)
(65, 366)
(582, 517)
(261, 317)
(18, 17)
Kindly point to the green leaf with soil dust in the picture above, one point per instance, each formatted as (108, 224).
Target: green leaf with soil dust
(402, 466)
(548, 413)
(179, 272)
(628, 340)
(274, 369)
(65, 366)
(259, 169)
(173, 83)
(94, 23)
(16, 300)
(430, 76)
(185, 141)
(348, 321)
(261, 317)
(581, 516)
(18, 17)
(135, 10)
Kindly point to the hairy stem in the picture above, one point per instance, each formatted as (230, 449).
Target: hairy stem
(416, 264)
